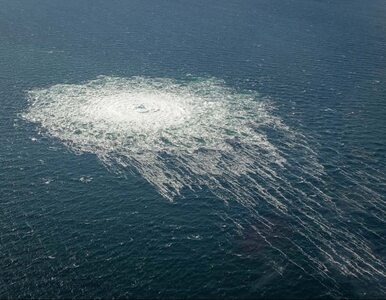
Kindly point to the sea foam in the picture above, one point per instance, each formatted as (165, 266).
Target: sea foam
(195, 134)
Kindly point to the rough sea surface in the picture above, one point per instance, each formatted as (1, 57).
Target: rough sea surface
(193, 149)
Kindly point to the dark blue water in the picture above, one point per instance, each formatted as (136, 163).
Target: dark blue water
(72, 228)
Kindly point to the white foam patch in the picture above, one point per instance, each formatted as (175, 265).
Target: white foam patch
(171, 132)
(199, 133)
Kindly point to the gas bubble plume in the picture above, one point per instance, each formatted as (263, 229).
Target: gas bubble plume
(198, 134)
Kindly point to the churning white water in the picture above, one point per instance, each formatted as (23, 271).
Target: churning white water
(175, 134)
(199, 133)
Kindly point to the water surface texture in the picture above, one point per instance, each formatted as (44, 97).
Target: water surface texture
(195, 149)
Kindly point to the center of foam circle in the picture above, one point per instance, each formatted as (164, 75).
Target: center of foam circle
(142, 111)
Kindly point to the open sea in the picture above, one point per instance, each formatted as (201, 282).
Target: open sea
(193, 149)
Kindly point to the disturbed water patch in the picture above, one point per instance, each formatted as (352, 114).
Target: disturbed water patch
(200, 133)
(173, 133)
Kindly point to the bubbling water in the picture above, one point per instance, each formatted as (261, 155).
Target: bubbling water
(140, 122)
(199, 133)
(142, 112)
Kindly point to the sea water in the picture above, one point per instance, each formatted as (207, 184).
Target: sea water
(194, 150)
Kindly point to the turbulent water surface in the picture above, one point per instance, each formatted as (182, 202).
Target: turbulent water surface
(193, 166)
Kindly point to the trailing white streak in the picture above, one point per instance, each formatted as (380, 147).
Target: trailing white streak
(201, 134)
